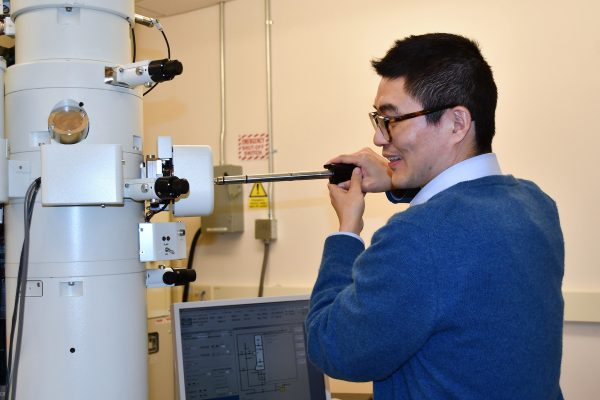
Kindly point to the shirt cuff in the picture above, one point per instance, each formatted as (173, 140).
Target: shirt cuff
(351, 234)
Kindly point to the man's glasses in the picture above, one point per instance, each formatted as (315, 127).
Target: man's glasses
(382, 123)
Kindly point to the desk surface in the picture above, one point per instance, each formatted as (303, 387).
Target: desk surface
(352, 396)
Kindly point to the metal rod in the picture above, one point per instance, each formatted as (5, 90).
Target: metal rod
(288, 176)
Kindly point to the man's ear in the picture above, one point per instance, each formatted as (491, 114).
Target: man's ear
(462, 123)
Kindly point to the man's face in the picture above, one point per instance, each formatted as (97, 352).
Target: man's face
(418, 151)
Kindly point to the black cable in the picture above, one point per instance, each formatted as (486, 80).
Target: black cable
(152, 213)
(263, 270)
(167, 42)
(168, 58)
(3, 349)
(18, 297)
(151, 88)
(133, 44)
(22, 278)
(190, 263)
(19, 306)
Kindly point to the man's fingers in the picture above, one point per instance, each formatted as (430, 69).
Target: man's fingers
(356, 180)
(344, 185)
(354, 158)
(342, 159)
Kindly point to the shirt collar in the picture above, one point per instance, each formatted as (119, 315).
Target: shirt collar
(472, 168)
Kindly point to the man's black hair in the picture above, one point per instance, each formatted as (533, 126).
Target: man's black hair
(440, 69)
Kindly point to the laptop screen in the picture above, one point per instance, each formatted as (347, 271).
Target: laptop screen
(244, 349)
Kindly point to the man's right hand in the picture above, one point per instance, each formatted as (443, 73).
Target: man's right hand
(376, 175)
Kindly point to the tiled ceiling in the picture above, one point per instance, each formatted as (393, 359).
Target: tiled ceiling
(162, 8)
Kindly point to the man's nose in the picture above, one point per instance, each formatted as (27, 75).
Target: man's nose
(378, 139)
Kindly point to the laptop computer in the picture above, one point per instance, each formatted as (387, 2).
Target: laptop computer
(244, 349)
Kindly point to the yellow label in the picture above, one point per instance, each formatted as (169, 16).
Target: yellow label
(258, 190)
(258, 197)
(259, 202)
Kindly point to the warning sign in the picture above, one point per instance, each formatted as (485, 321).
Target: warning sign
(253, 146)
(258, 196)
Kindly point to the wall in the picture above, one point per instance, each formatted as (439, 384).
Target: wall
(545, 56)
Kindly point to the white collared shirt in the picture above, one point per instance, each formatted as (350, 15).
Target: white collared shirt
(470, 169)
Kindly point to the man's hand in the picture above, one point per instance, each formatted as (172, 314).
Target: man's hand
(376, 175)
(349, 204)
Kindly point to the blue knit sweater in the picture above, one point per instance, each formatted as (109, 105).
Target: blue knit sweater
(457, 298)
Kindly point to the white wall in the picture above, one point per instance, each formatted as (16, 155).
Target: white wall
(545, 56)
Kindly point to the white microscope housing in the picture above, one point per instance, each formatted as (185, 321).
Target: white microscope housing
(84, 329)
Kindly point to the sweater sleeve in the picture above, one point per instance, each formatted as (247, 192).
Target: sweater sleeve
(372, 310)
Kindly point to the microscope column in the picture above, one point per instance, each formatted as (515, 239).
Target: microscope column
(84, 326)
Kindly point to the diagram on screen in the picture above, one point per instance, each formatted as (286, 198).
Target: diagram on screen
(267, 361)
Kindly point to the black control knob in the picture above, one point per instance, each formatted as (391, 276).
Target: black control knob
(168, 188)
(179, 276)
(164, 70)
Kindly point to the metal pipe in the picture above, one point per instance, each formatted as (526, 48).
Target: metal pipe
(263, 269)
(222, 70)
(288, 176)
(268, 23)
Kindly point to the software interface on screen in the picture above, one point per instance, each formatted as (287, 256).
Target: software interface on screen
(248, 352)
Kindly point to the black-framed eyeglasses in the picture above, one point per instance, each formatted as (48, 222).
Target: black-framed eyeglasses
(382, 123)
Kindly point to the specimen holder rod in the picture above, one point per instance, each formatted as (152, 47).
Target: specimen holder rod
(335, 172)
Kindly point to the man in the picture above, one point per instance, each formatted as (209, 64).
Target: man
(459, 296)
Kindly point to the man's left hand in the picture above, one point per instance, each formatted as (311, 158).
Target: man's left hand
(349, 204)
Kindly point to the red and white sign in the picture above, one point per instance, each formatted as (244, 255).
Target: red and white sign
(253, 146)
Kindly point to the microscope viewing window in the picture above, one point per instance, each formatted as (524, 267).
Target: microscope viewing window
(68, 122)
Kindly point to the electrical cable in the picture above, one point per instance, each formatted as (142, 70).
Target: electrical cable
(22, 281)
(168, 58)
(167, 42)
(19, 299)
(133, 44)
(3, 352)
(151, 89)
(152, 213)
(263, 270)
(21, 286)
(190, 263)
